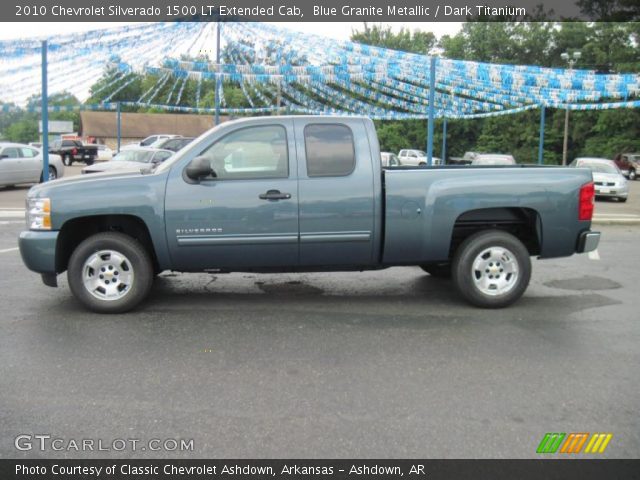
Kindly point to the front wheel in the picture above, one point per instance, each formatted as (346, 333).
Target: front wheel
(110, 273)
(491, 269)
(67, 160)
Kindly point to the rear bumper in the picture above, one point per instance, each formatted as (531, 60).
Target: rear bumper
(588, 241)
(38, 250)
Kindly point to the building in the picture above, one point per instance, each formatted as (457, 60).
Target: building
(101, 127)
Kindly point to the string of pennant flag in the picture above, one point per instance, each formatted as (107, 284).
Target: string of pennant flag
(276, 68)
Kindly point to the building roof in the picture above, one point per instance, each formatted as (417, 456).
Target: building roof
(141, 125)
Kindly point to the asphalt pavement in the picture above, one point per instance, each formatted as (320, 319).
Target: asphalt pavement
(386, 364)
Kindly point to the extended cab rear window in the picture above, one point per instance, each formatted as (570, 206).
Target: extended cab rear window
(330, 150)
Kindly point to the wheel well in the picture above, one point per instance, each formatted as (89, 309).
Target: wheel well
(523, 223)
(74, 231)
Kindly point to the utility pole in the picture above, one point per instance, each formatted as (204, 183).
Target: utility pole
(571, 60)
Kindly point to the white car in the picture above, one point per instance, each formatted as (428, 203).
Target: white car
(389, 159)
(493, 159)
(147, 142)
(416, 157)
(141, 159)
(21, 163)
(607, 177)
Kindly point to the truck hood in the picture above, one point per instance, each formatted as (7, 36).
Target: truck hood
(42, 188)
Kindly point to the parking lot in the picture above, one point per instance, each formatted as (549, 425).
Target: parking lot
(386, 364)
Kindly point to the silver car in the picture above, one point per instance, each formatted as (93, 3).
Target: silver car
(21, 163)
(141, 159)
(607, 177)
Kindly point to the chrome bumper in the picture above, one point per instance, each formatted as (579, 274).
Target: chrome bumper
(588, 241)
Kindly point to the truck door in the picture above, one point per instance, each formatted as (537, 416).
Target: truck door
(336, 188)
(246, 216)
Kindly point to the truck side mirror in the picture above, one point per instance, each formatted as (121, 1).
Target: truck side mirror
(198, 168)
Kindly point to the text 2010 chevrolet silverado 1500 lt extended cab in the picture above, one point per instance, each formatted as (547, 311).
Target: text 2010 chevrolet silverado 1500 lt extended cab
(303, 194)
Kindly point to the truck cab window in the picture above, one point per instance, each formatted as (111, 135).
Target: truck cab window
(330, 150)
(250, 153)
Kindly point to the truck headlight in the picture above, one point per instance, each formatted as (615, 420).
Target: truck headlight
(39, 213)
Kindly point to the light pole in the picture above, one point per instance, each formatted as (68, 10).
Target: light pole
(571, 60)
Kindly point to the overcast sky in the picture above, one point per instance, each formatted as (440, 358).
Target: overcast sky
(337, 30)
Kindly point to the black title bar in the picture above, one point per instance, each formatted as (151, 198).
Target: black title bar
(285, 10)
(583, 469)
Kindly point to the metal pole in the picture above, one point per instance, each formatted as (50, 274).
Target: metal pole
(217, 97)
(279, 97)
(432, 96)
(541, 140)
(444, 141)
(565, 143)
(118, 125)
(45, 115)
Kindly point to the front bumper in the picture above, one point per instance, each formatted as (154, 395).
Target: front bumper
(38, 250)
(588, 241)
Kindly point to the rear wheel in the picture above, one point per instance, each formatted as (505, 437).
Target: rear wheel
(67, 160)
(491, 269)
(110, 273)
(632, 174)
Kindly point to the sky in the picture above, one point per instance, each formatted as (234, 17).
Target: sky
(337, 30)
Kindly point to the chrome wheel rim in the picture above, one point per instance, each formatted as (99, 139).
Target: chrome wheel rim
(495, 271)
(52, 174)
(108, 275)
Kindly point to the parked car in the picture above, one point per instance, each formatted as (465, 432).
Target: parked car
(227, 203)
(389, 159)
(416, 157)
(173, 144)
(629, 164)
(142, 159)
(104, 153)
(23, 164)
(607, 177)
(74, 151)
(466, 159)
(493, 159)
(147, 142)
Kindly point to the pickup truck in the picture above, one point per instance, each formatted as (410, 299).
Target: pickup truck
(303, 193)
(74, 151)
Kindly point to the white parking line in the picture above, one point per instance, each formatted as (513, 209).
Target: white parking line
(594, 255)
(11, 213)
(7, 250)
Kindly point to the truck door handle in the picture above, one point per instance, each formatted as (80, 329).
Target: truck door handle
(274, 195)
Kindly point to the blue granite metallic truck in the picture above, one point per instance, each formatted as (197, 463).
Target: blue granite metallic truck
(302, 193)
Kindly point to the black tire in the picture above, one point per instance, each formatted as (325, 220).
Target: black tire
(89, 161)
(622, 199)
(53, 174)
(464, 276)
(67, 160)
(139, 265)
(438, 270)
(632, 175)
